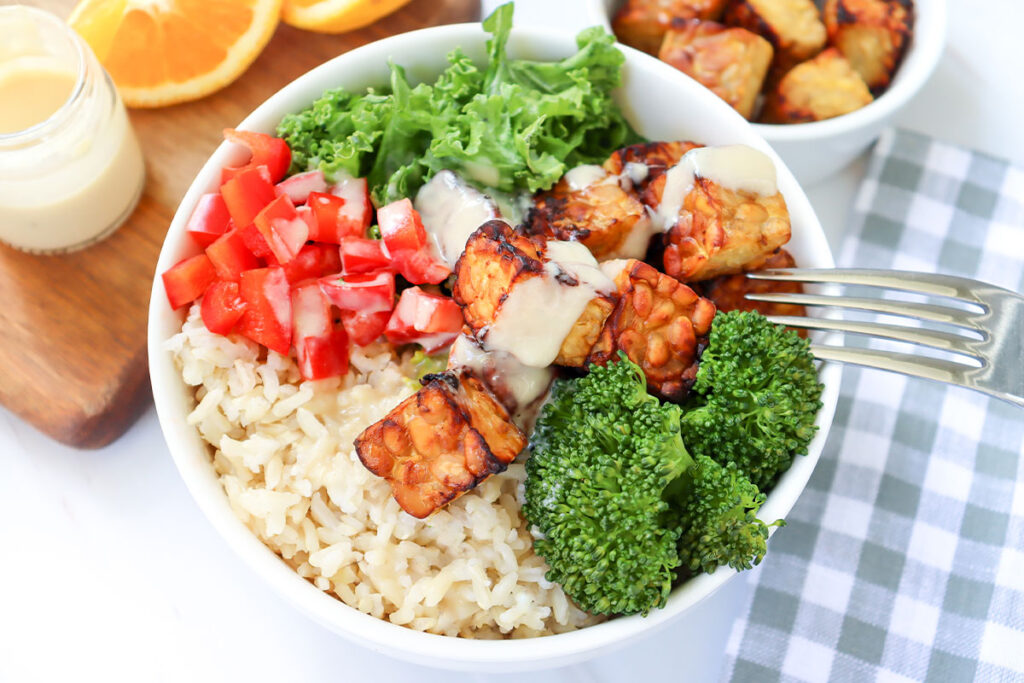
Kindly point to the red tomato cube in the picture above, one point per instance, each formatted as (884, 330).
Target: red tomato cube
(282, 228)
(298, 187)
(326, 356)
(360, 255)
(209, 220)
(431, 320)
(406, 240)
(255, 243)
(266, 151)
(364, 328)
(231, 257)
(363, 293)
(186, 280)
(247, 193)
(222, 307)
(355, 215)
(268, 308)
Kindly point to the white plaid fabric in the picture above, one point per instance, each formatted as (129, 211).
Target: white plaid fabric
(904, 558)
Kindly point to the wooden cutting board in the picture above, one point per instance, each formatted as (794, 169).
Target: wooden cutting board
(73, 327)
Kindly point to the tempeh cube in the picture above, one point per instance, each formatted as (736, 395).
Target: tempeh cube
(819, 89)
(440, 442)
(600, 214)
(731, 62)
(642, 23)
(659, 323)
(720, 230)
(872, 34)
(651, 159)
(793, 27)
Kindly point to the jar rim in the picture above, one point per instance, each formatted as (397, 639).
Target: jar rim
(53, 120)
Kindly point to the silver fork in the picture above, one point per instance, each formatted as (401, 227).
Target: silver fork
(992, 348)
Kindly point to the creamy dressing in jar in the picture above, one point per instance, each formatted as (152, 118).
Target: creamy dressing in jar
(538, 314)
(734, 167)
(71, 169)
(451, 211)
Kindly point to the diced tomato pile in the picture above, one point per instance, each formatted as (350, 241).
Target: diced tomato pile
(288, 263)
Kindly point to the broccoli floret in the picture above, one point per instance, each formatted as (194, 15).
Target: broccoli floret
(719, 519)
(606, 489)
(755, 397)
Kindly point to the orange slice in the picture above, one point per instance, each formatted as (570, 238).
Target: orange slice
(161, 52)
(336, 16)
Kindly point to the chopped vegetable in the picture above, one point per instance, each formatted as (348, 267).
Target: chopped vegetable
(405, 238)
(209, 221)
(360, 255)
(364, 328)
(222, 307)
(299, 186)
(369, 293)
(513, 125)
(320, 349)
(230, 256)
(247, 193)
(186, 281)
(755, 397)
(430, 320)
(267, 151)
(268, 308)
(282, 228)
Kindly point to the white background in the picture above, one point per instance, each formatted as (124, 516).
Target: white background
(108, 571)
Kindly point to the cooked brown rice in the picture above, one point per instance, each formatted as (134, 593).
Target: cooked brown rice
(283, 450)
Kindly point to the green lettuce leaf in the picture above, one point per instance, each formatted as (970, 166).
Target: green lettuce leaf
(516, 125)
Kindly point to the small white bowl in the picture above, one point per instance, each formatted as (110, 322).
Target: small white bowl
(813, 151)
(662, 106)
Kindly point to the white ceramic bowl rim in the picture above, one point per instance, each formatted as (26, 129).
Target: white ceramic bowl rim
(173, 400)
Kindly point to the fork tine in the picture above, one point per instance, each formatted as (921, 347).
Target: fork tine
(907, 309)
(908, 364)
(936, 339)
(905, 280)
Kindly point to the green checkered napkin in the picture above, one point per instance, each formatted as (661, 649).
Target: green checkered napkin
(904, 558)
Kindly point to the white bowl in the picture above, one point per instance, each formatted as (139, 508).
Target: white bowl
(662, 106)
(813, 151)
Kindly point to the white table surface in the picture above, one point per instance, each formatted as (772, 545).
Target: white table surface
(108, 571)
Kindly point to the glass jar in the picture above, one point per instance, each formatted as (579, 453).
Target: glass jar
(71, 170)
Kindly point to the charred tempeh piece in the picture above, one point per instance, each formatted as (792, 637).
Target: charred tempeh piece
(659, 323)
(642, 23)
(793, 27)
(652, 158)
(440, 442)
(872, 34)
(595, 210)
(820, 88)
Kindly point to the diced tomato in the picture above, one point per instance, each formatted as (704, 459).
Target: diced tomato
(266, 151)
(231, 257)
(268, 308)
(313, 261)
(406, 240)
(431, 320)
(355, 216)
(222, 307)
(360, 255)
(186, 280)
(300, 185)
(363, 293)
(209, 220)
(364, 328)
(306, 214)
(255, 243)
(325, 356)
(329, 226)
(282, 228)
(247, 193)
(321, 350)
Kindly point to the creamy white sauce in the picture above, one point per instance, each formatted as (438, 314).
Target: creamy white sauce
(584, 176)
(451, 211)
(734, 167)
(614, 267)
(538, 314)
(516, 385)
(635, 172)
